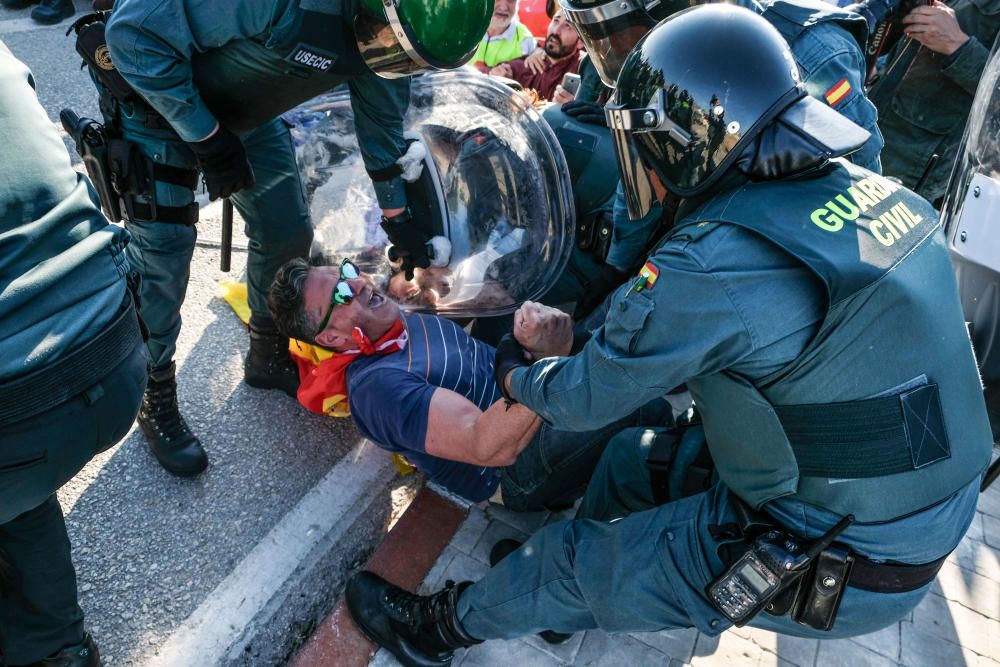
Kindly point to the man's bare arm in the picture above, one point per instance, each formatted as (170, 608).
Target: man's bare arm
(458, 430)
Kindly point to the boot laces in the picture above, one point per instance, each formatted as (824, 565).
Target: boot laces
(160, 410)
(416, 610)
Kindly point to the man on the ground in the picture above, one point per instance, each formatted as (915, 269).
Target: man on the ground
(420, 386)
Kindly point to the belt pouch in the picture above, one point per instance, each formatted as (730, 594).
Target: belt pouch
(819, 596)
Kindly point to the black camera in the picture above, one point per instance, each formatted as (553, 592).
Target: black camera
(884, 24)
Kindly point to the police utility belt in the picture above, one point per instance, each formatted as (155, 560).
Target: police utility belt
(780, 573)
(124, 177)
(70, 376)
(771, 569)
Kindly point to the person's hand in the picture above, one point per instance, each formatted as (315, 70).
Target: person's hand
(935, 27)
(585, 112)
(409, 243)
(560, 96)
(223, 163)
(543, 331)
(503, 69)
(536, 61)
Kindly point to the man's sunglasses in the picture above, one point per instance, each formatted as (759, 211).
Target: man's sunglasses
(342, 292)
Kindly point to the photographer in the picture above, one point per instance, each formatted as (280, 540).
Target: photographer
(922, 114)
(71, 375)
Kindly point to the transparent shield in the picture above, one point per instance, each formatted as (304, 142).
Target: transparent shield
(495, 194)
(971, 217)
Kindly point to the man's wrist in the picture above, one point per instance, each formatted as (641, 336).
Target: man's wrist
(957, 51)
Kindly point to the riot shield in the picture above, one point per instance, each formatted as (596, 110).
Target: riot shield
(494, 193)
(971, 217)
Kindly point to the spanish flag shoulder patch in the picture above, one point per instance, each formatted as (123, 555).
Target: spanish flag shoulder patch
(647, 277)
(838, 93)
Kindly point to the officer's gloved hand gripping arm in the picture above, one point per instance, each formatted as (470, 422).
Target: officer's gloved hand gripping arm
(379, 107)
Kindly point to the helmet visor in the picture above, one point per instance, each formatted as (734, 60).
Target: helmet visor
(386, 46)
(609, 32)
(628, 127)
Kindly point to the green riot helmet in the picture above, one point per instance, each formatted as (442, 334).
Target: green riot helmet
(698, 90)
(610, 28)
(398, 38)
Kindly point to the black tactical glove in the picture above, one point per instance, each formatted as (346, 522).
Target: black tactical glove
(223, 162)
(509, 355)
(409, 242)
(585, 112)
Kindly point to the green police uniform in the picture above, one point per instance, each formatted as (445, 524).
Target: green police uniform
(825, 346)
(243, 71)
(926, 114)
(72, 370)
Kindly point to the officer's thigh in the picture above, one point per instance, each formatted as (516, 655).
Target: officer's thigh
(42, 453)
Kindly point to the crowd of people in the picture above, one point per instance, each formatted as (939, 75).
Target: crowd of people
(764, 239)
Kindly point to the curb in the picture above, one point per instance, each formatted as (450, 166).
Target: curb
(404, 557)
(254, 616)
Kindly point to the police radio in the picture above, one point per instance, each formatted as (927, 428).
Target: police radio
(773, 564)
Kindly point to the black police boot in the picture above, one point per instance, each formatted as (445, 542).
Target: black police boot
(52, 11)
(17, 4)
(268, 364)
(83, 654)
(501, 550)
(421, 631)
(173, 444)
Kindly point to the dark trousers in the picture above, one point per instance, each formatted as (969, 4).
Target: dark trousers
(555, 468)
(39, 613)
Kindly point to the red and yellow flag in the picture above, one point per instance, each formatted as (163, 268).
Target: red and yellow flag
(647, 277)
(838, 92)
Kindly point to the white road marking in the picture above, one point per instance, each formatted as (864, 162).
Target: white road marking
(207, 636)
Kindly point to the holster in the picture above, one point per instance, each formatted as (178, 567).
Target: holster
(93, 145)
(136, 176)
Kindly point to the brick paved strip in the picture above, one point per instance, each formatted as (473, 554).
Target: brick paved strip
(404, 557)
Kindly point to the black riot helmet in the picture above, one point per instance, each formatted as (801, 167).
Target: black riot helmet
(610, 28)
(697, 92)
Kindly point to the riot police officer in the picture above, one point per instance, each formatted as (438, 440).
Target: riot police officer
(811, 307)
(203, 88)
(71, 375)
(828, 46)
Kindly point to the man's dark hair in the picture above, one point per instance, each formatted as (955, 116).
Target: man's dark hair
(286, 301)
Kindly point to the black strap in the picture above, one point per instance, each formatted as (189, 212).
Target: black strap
(867, 438)
(892, 578)
(58, 382)
(186, 178)
(174, 215)
(865, 574)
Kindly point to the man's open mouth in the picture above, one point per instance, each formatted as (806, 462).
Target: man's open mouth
(375, 300)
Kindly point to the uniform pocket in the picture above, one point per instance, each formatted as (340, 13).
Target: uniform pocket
(627, 319)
